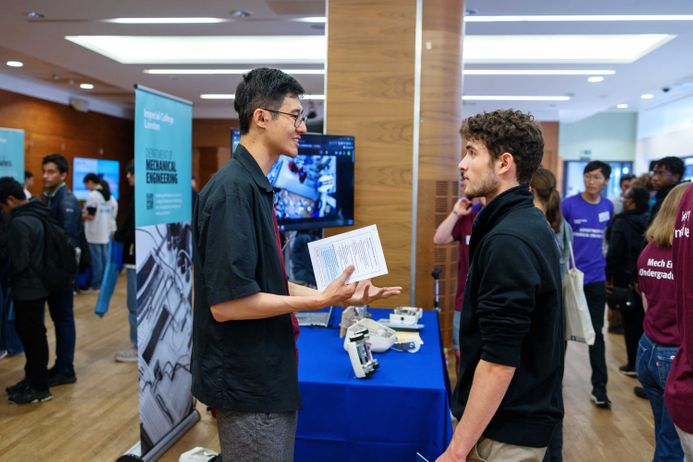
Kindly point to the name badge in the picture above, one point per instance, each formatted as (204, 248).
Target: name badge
(467, 238)
(604, 216)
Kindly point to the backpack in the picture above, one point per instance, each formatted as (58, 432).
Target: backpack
(59, 265)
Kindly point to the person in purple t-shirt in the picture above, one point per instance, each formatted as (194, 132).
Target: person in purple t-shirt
(589, 214)
(660, 341)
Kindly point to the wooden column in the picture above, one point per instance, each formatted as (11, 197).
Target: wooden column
(394, 82)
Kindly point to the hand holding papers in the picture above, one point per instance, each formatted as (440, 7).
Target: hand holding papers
(361, 249)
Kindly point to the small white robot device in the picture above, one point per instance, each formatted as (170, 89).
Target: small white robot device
(404, 318)
(360, 353)
(380, 337)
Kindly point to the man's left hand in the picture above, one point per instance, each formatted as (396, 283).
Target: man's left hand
(366, 292)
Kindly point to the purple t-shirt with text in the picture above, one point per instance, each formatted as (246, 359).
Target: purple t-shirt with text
(589, 223)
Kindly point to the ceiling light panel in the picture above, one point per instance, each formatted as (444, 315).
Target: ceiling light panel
(522, 49)
(582, 18)
(538, 72)
(165, 20)
(293, 49)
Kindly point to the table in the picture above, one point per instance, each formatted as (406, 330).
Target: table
(402, 409)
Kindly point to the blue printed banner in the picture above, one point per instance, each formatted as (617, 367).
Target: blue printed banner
(12, 153)
(163, 159)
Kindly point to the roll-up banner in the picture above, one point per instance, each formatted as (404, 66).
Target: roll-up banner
(163, 253)
(12, 153)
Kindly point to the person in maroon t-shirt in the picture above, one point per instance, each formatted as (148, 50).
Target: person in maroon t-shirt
(678, 393)
(660, 341)
(458, 227)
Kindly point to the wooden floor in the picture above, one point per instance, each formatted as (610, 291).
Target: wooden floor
(96, 419)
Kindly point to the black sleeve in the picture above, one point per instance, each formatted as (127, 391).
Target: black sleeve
(617, 254)
(20, 250)
(510, 277)
(227, 234)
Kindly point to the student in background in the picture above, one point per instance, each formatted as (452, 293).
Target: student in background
(661, 338)
(27, 235)
(99, 215)
(625, 183)
(667, 172)
(28, 183)
(589, 214)
(457, 226)
(678, 392)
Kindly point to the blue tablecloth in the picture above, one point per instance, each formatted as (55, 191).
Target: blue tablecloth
(402, 409)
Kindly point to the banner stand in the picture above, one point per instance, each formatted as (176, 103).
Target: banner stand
(169, 440)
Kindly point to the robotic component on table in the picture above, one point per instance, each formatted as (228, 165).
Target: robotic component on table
(381, 337)
(360, 353)
(351, 315)
(406, 315)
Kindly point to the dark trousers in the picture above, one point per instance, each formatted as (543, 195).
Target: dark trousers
(61, 308)
(32, 332)
(632, 329)
(595, 293)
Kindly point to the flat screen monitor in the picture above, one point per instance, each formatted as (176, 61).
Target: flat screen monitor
(316, 189)
(109, 170)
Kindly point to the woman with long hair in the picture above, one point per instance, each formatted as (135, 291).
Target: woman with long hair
(660, 341)
(548, 200)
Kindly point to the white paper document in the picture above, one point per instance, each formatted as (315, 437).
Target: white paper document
(361, 248)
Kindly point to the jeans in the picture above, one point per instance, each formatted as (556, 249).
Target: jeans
(32, 331)
(595, 293)
(654, 362)
(9, 339)
(456, 316)
(99, 259)
(61, 308)
(132, 304)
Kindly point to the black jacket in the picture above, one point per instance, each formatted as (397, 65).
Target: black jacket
(659, 198)
(125, 234)
(512, 315)
(27, 236)
(626, 237)
(65, 208)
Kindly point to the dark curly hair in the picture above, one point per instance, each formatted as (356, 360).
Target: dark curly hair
(509, 131)
(262, 88)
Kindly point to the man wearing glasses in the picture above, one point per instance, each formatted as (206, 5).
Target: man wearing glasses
(666, 174)
(589, 214)
(244, 358)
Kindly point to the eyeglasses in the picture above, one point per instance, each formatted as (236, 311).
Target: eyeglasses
(591, 178)
(298, 118)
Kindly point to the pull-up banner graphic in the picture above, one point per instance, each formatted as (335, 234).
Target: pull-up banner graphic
(163, 252)
(12, 153)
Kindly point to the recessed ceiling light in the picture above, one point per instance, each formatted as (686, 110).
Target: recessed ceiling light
(227, 71)
(582, 18)
(240, 14)
(514, 98)
(150, 49)
(538, 72)
(165, 20)
(622, 106)
(313, 19)
(86, 86)
(217, 96)
(647, 96)
(595, 79)
(15, 63)
(613, 48)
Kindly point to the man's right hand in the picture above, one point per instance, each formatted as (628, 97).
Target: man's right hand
(462, 207)
(338, 291)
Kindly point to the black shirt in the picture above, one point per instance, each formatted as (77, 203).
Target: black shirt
(512, 315)
(248, 365)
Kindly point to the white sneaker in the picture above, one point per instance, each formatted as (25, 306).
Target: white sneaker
(127, 356)
(3, 353)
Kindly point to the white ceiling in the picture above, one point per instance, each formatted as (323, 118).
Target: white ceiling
(48, 56)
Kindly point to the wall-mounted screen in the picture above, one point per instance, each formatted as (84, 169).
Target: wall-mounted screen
(109, 170)
(315, 189)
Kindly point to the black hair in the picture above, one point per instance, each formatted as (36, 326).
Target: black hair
(93, 177)
(104, 189)
(263, 88)
(28, 174)
(509, 131)
(10, 187)
(598, 165)
(59, 160)
(626, 177)
(674, 165)
(130, 167)
(640, 197)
